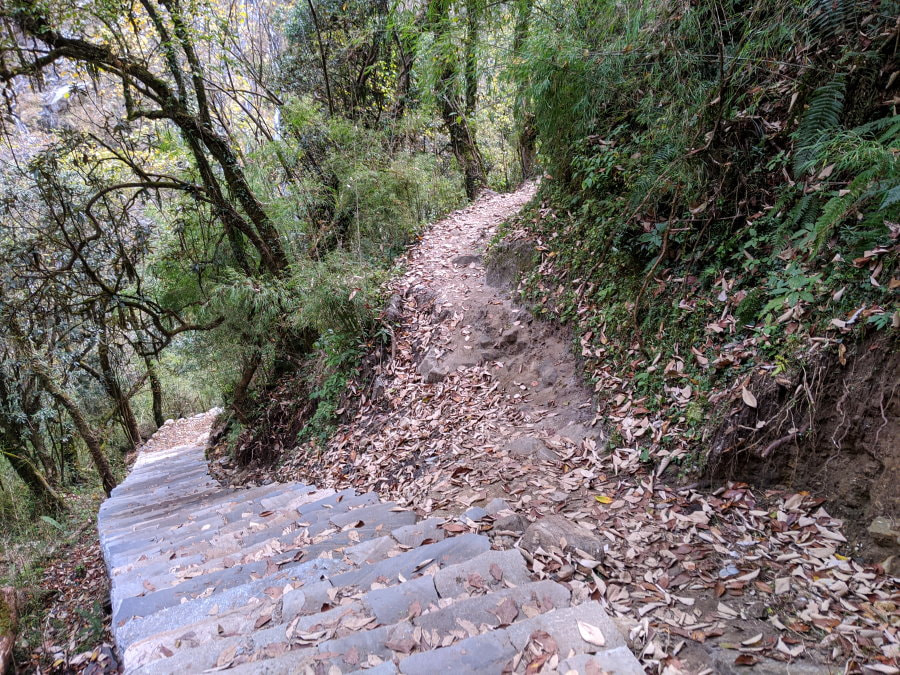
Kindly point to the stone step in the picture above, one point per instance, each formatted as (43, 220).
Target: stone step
(172, 512)
(490, 652)
(387, 605)
(186, 537)
(311, 512)
(139, 617)
(285, 578)
(126, 511)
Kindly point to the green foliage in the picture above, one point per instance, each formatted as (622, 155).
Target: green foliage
(712, 160)
(339, 363)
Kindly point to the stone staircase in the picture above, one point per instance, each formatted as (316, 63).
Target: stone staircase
(286, 578)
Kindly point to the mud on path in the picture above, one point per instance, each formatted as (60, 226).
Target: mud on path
(478, 400)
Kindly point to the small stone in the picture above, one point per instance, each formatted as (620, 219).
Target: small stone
(432, 371)
(475, 514)
(510, 337)
(495, 506)
(560, 532)
(883, 531)
(511, 523)
(529, 447)
(891, 566)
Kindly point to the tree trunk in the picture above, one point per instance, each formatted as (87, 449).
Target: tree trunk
(462, 140)
(9, 625)
(156, 392)
(78, 418)
(35, 481)
(120, 399)
(526, 135)
(243, 386)
(470, 59)
(323, 56)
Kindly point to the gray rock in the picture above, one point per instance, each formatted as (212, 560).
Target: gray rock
(529, 447)
(562, 533)
(514, 522)
(475, 514)
(495, 506)
(884, 532)
(466, 260)
(431, 370)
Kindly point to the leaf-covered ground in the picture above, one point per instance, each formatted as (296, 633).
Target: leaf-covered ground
(469, 406)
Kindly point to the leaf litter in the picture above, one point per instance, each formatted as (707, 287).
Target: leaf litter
(440, 444)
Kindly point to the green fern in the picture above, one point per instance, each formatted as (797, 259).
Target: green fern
(821, 118)
(828, 18)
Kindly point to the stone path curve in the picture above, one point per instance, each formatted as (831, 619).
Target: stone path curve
(287, 578)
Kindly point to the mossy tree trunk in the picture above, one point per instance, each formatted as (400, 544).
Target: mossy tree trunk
(9, 625)
(450, 104)
(87, 433)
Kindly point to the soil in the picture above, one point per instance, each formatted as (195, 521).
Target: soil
(849, 452)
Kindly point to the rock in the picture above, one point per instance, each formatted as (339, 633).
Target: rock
(511, 523)
(496, 505)
(393, 310)
(528, 447)
(466, 260)
(884, 532)
(431, 369)
(508, 261)
(379, 386)
(891, 566)
(475, 514)
(510, 337)
(758, 610)
(560, 532)
(578, 433)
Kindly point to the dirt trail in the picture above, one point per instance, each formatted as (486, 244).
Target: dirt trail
(478, 400)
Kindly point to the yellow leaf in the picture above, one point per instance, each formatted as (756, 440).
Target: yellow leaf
(603, 499)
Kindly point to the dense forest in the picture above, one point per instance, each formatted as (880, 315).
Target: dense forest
(201, 202)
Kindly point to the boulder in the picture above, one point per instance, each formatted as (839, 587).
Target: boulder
(562, 533)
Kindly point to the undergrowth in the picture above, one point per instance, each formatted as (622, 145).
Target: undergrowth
(716, 173)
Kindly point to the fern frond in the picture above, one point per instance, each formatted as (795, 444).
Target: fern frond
(827, 18)
(822, 116)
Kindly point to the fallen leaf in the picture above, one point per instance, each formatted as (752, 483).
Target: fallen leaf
(748, 397)
(592, 634)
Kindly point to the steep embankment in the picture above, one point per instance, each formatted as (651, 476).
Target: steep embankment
(477, 399)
